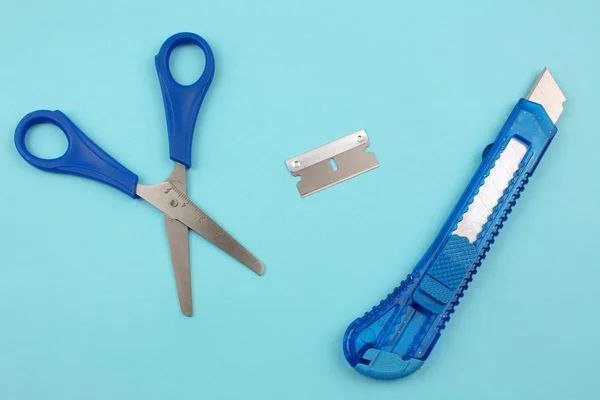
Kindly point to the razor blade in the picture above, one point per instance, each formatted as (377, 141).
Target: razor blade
(332, 163)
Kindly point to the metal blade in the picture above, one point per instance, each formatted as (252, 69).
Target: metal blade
(174, 203)
(179, 246)
(491, 191)
(315, 167)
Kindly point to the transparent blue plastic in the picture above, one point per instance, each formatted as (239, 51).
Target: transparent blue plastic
(396, 336)
(82, 158)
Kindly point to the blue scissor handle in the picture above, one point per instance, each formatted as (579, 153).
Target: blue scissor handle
(83, 157)
(182, 103)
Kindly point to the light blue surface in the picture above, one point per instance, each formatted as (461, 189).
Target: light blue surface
(87, 298)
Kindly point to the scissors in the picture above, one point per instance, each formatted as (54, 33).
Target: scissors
(85, 158)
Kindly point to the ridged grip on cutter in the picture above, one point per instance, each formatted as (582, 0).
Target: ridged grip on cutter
(396, 337)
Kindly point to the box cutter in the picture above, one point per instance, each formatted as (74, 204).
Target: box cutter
(396, 336)
(84, 158)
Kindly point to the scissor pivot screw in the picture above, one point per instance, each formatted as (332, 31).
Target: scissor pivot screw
(360, 138)
(174, 203)
(296, 164)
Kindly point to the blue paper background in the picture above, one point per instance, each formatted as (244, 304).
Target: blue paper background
(87, 298)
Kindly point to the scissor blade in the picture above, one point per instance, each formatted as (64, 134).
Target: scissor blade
(179, 246)
(177, 233)
(174, 203)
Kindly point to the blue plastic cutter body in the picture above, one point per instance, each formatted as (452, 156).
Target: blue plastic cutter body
(396, 336)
